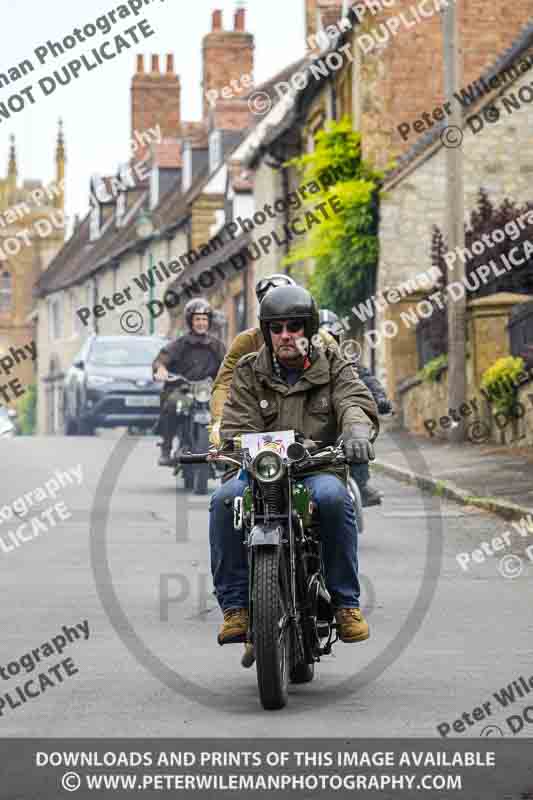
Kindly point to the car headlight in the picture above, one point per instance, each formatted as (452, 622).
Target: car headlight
(268, 466)
(98, 380)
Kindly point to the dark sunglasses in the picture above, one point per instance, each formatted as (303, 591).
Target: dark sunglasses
(293, 326)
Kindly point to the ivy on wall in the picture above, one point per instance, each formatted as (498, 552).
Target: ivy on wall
(345, 247)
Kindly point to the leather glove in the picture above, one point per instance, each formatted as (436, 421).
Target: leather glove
(214, 434)
(357, 446)
(384, 406)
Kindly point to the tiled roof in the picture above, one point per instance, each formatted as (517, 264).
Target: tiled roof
(80, 258)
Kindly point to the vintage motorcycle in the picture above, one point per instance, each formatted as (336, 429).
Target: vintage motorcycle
(192, 409)
(291, 618)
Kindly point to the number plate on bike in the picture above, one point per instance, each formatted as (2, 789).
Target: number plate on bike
(202, 417)
(273, 440)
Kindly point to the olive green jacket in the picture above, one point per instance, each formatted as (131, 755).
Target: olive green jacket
(323, 404)
(249, 341)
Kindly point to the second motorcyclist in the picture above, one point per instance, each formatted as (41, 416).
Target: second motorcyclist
(196, 355)
(370, 496)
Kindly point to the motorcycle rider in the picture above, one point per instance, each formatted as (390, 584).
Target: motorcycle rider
(330, 322)
(249, 341)
(279, 388)
(196, 355)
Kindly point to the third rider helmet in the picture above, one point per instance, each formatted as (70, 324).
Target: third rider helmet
(197, 306)
(272, 282)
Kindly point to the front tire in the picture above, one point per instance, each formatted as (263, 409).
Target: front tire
(271, 633)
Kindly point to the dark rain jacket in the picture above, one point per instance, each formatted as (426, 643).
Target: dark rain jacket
(195, 357)
(324, 403)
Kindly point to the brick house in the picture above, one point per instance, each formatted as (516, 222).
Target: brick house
(383, 88)
(158, 211)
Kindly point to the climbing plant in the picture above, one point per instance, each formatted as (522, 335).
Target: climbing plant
(345, 247)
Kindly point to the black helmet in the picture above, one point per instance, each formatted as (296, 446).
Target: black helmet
(330, 322)
(264, 285)
(289, 302)
(197, 306)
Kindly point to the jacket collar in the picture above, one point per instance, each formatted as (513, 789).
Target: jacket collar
(317, 374)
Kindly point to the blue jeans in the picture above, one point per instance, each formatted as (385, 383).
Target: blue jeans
(361, 474)
(229, 558)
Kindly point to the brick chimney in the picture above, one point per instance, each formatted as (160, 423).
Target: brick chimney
(232, 115)
(311, 18)
(155, 99)
(318, 15)
(330, 11)
(227, 55)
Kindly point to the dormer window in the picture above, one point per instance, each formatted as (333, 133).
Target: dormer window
(216, 153)
(186, 181)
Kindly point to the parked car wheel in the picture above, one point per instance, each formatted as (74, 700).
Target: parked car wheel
(71, 426)
(85, 428)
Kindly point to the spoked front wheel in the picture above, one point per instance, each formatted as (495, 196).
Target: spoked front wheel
(271, 628)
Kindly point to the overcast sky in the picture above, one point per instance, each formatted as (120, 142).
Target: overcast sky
(96, 107)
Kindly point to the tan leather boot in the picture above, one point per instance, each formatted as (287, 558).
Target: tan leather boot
(351, 625)
(234, 627)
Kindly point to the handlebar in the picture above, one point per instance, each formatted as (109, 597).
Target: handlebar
(324, 457)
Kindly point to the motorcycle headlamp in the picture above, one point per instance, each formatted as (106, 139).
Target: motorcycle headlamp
(203, 395)
(268, 466)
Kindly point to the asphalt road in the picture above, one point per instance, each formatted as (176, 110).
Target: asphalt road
(443, 640)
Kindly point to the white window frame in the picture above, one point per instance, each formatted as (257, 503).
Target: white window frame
(55, 319)
(186, 178)
(216, 152)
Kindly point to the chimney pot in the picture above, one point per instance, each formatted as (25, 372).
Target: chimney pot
(217, 20)
(140, 63)
(170, 62)
(155, 63)
(240, 19)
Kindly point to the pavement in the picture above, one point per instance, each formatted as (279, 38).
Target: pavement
(440, 644)
(489, 476)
